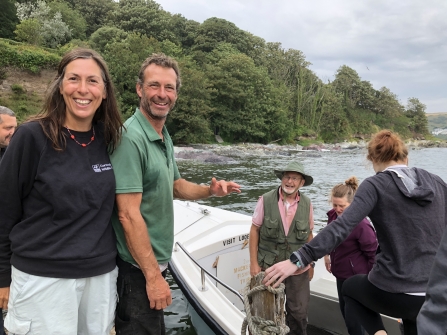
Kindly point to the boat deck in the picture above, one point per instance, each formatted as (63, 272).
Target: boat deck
(312, 330)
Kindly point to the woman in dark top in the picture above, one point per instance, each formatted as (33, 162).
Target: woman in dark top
(408, 208)
(356, 254)
(58, 190)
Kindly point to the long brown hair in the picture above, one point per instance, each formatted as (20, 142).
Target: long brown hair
(52, 116)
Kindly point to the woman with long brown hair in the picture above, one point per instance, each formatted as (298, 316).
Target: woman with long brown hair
(57, 189)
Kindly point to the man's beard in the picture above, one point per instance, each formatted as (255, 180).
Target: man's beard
(146, 108)
(288, 192)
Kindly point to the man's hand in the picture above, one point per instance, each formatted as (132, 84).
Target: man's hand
(280, 271)
(4, 297)
(327, 263)
(222, 187)
(159, 293)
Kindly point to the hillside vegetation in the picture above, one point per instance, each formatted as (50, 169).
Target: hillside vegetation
(234, 84)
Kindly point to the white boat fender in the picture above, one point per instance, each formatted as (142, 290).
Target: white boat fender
(257, 324)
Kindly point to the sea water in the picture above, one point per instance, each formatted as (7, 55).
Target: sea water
(255, 175)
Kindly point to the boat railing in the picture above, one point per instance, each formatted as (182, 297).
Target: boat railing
(202, 275)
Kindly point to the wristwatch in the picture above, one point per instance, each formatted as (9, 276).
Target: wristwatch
(295, 260)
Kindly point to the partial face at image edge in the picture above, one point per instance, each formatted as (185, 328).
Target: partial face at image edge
(8, 126)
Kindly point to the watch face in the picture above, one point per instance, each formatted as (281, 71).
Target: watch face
(293, 258)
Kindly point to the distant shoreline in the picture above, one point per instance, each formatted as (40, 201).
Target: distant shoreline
(227, 154)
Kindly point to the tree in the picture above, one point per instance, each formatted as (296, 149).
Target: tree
(107, 35)
(214, 31)
(334, 124)
(189, 121)
(143, 17)
(242, 99)
(347, 82)
(184, 30)
(389, 111)
(29, 31)
(8, 19)
(95, 12)
(52, 29)
(55, 32)
(72, 17)
(415, 111)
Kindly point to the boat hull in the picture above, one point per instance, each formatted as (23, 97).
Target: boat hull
(218, 241)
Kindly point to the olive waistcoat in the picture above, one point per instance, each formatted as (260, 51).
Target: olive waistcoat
(274, 246)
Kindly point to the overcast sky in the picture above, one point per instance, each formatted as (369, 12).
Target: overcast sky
(400, 44)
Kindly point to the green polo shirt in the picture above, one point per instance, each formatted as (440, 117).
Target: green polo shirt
(143, 163)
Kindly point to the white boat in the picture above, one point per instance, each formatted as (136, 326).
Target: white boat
(211, 265)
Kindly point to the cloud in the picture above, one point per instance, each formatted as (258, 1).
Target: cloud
(398, 44)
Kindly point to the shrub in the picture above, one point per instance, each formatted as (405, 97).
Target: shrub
(27, 57)
(17, 89)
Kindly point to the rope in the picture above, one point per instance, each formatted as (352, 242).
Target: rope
(258, 325)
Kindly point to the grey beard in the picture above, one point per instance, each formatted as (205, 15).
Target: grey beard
(146, 108)
(288, 193)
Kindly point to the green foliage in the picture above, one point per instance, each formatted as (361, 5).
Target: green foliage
(29, 31)
(55, 32)
(335, 124)
(107, 35)
(17, 89)
(143, 17)
(189, 121)
(94, 12)
(184, 30)
(241, 99)
(415, 111)
(3, 74)
(214, 31)
(49, 27)
(72, 45)
(234, 83)
(72, 17)
(23, 104)
(26, 57)
(8, 18)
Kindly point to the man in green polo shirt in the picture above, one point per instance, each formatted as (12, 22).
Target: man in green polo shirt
(147, 180)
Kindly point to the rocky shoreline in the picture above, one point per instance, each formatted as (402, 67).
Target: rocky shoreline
(227, 154)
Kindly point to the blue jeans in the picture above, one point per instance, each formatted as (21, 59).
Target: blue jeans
(133, 313)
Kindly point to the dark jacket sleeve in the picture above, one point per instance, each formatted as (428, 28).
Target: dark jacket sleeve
(17, 172)
(367, 240)
(432, 318)
(335, 233)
